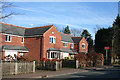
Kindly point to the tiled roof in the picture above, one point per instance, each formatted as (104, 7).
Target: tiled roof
(37, 31)
(66, 38)
(14, 47)
(9, 29)
(77, 39)
(52, 49)
(22, 31)
(71, 51)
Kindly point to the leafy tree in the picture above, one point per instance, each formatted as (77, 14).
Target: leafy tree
(103, 38)
(67, 30)
(116, 37)
(89, 39)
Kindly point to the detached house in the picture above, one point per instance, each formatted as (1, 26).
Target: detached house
(39, 42)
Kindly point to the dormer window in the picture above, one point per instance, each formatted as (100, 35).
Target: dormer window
(71, 45)
(22, 40)
(7, 38)
(64, 44)
(52, 39)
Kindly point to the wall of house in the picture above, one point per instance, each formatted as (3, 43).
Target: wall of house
(15, 40)
(86, 45)
(51, 32)
(68, 45)
(76, 47)
(33, 45)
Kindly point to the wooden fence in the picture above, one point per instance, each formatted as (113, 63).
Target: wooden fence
(17, 68)
(69, 63)
(77, 64)
(49, 65)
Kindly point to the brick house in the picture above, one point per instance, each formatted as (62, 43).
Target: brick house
(39, 42)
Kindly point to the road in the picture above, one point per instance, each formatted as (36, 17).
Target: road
(101, 74)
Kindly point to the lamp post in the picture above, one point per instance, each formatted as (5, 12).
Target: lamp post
(106, 48)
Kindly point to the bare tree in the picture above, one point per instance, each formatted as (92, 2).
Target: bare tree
(59, 29)
(6, 11)
(76, 32)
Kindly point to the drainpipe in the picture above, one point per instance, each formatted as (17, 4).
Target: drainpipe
(41, 47)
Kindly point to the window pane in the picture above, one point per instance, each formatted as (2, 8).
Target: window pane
(9, 38)
(83, 45)
(6, 37)
(52, 55)
(22, 39)
(50, 39)
(71, 45)
(54, 40)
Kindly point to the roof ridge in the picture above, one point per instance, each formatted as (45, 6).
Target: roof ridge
(13, 25)
(41, 26)
(65, 34)
(77, 37)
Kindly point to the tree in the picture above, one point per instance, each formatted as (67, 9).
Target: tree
(116, 37)
(89, 39)
(103, 38)
(66, 30)
(75, 32)
(6, 11)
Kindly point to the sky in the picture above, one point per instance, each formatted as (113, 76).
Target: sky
(78, 15)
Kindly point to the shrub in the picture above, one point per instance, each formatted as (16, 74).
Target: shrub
(81, 57)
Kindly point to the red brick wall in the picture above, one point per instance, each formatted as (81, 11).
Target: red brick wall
(15, 40)
(68, 46)
(76, 47)
(33, 45)
(46, 43)
(86, 45)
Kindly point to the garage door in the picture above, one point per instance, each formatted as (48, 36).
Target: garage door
(65, 55)
(10, 53)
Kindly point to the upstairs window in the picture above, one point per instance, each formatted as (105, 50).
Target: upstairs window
(22, 40)
(71, 45)
(7, 38)
(52, 39)
(83, 46)
(64, 44)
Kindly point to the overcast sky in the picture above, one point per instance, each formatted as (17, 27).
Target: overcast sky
(79, 15)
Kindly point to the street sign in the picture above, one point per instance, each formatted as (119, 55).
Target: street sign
(106, 48)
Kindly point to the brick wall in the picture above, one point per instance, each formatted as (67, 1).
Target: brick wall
(15, 40)
(86, 45)
(51, 32)
(33, 45)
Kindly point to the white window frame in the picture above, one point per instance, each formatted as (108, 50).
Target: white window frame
(72, 45)
(84, 45)
(65, 43)
(53, 39)
(22, 40)
(9, 37)
(50, 54)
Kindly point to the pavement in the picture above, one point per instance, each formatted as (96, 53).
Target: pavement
(64, 71)
(44, 73)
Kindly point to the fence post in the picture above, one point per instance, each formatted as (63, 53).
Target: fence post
(60, 64)
(16, 68)
(56, 65)
(33, 66)
(77, 64)
(1, 70)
